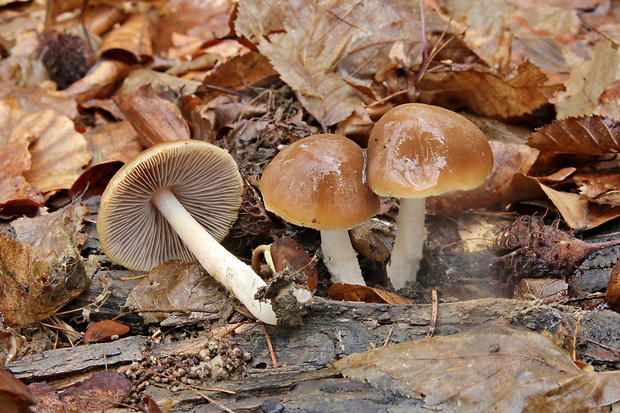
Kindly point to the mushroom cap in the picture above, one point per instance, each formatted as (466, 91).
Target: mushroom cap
(204, 178)
(318, 182)
(417, 150)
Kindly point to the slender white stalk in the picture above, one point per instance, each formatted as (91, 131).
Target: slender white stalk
(340, 258)
(236, 276)
(409, 242)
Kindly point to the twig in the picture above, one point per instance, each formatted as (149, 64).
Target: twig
(389, 336)
(577, 324)
(615, 351)
(164, 310)
(434, 313)
(270, 346)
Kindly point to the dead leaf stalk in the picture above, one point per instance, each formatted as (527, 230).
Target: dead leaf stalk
(274, 360)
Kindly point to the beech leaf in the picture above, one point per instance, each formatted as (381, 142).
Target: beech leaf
(487, 93)
(592, 86)
(586, 135)
(493, 368)
(320, 48)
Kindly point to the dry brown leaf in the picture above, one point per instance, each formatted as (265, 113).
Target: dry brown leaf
(600, 186)
(180, 286)
(236, 74)
(14, 394)
(23, 70)
(41, 269)
(133, 38)
(116, 141)
(573, 208)
(323, 49)
(57, 7)
(17, 195)
(486, 93)
(100, 81)
(591, 88)
(159, 81)
(54, 157)
(365, 294)
(111, 146)
(493, 368)
(547, 290)
(192, 25)
(58, 152)
(101, 18)
(33, 100)
(584, 135)
(100, 392)
(155, 119)
(104, 330)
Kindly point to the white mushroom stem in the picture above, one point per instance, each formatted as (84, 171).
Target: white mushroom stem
(340, 258)
(409, 242)
(236, 276)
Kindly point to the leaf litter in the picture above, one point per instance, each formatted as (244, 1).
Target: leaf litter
(529, 64)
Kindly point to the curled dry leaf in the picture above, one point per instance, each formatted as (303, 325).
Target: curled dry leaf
(100, 81)
(487, 93)
(492, 368)
(104, 330)
(365, 294)
(14, 394)
(12, 344)
(573, 208)
(132, 38)
(155, 119)
(584, 135)
(41, 269)
(101, 18)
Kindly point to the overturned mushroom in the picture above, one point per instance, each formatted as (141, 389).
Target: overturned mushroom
(177, 200)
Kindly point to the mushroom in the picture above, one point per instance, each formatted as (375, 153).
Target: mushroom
(318, 182)
(177, 200)
(415, 151)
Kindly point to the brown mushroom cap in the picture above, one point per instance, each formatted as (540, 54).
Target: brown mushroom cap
(318, 182)
(204, 178)
(417, 150)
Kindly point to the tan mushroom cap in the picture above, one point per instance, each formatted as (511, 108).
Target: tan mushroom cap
(417, 150)
(204, 178)
(318, 182)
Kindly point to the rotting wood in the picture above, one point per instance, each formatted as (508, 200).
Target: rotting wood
(335, 329)
(56, 362)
